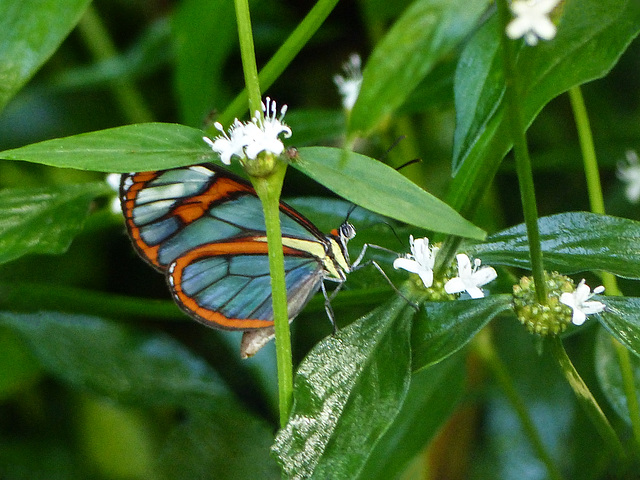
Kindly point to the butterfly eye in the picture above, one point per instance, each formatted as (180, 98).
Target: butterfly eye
(347, 231)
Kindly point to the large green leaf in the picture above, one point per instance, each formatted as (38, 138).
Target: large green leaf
(132, 148)
(443, 328)
(571, 242)
(43, 220)
(424, 34)
(592, 35)
(116, 361)
(347, 392)
(610, 376)
(621, 318)
(30, 31)
(433, 396)
(381, 189)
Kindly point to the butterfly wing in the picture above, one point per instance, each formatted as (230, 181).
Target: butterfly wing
(205, 229)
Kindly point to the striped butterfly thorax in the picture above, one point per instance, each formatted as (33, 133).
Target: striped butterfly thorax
(203, 227)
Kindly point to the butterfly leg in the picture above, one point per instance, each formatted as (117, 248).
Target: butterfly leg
(328, 297)
(357, 265)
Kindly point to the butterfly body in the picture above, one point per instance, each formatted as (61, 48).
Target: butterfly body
(204, 229)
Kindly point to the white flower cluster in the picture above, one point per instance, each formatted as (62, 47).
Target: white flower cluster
(422, 259)
(349, 85)
(629, 173)
(248, 139)
(578, 301)
(532, 20)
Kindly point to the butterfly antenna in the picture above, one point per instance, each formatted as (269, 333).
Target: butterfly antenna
(410, 162)
(350, 211)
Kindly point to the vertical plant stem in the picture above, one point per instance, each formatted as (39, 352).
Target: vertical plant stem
(521, 153)
(247, 52)
(99, 43)
(283, 57)
(596, 201)
(586, 398)
(484, 347)
(268, 189)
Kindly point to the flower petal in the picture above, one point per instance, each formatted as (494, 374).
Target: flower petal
(455, 285)
(406, 264)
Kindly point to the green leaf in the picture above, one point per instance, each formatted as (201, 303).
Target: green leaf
(43, 220)
(132, 148)
(443, 328)
(30, 31)
(609, 375)
(592, 35)
(205, 33)
(347, 392)
(425, 33)
(433, 396)
(115, 361)
(571, 242)
(381, 189)
(621, 318)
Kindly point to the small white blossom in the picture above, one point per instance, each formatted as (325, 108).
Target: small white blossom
(532, 20)
(470, 279)
(251, 138)
(349, 84)
(578, 302)
(420, 260)
(630, 174)
(113, 180)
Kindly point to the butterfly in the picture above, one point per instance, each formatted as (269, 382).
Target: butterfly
(204, 229)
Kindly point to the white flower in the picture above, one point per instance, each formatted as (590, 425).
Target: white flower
(630, 174)
(470, 279)
(532, 20)
(420, 260)
(113, 180)
(349, 85)
(578, 302)
(251, 138)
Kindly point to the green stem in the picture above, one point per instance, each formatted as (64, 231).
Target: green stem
(99, 43)
(268, 190)
(283, 57)
(586, 398)
(247, 52)
(521, 153)
(484, 347)
(596, 201)
(588, 150)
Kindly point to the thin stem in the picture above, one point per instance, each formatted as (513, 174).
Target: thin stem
(588, 150)
(585, 397)
(596, 201)
(247, 52)
(268, 189)
(484, 347)
(521, 153)
(283, 57)
(98, 41)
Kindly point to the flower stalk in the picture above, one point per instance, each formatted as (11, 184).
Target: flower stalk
(521, 153)
(585, 397)
(268, 187)
(596, 201)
